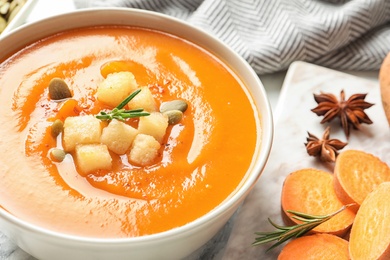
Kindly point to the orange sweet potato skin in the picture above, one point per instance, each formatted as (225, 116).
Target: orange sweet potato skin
(356, 174)
(311, 191)
(317, 246)
(370, 233)
(360, 178)
(384, 81)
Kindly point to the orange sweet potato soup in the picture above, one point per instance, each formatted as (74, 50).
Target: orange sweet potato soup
(200, 161)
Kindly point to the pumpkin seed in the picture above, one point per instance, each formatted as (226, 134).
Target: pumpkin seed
(3, 24)
(8, 10)
(178, 104)
(57, 127)
(57, 155)
(58, 89)
(4, 8)
(174, 116)
(14, 12)
(14, 4)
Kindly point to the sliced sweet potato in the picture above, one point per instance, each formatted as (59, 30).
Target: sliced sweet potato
(370, 233)
(68, 108)
(384, 82)
(317, 246)
(311, 191)
(356, 174)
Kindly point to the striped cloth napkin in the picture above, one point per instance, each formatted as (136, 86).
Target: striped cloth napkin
(270, 35)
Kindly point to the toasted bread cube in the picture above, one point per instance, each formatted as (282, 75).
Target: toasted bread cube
(92, 157)
(155, 125)
(81, 130)
(118, 136)
(145, 100)
(116, 87)
(144, 150)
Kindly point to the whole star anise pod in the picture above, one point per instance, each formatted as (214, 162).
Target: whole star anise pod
(351, 111)
(325, 148)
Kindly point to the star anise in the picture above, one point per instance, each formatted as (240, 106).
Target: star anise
(351, 111)
(326, 148)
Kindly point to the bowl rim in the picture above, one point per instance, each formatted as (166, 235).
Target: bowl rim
(259, 160)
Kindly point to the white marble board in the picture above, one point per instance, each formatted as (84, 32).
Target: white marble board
(293, 119)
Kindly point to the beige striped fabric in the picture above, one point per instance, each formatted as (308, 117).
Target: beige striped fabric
(271, 34)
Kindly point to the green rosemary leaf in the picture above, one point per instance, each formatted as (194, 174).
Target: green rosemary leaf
(128, 99)
(304, 215)
(134, 114)
(278, 226)
(103, 117)
(122, 114)
(284, 233)
(133, 110)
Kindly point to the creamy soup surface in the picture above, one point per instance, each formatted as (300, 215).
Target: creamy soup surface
(202, 160)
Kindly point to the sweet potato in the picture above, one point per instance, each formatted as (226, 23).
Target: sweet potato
(384, 82)
(317, 246)
(116, 66)
(370, 233)
(68, 108)
(356, 174)
(311, 191)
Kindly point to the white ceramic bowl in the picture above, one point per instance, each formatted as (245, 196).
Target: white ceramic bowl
(173, 244)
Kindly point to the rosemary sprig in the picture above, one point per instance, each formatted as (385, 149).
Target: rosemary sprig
(122, 114)
(284, 233)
